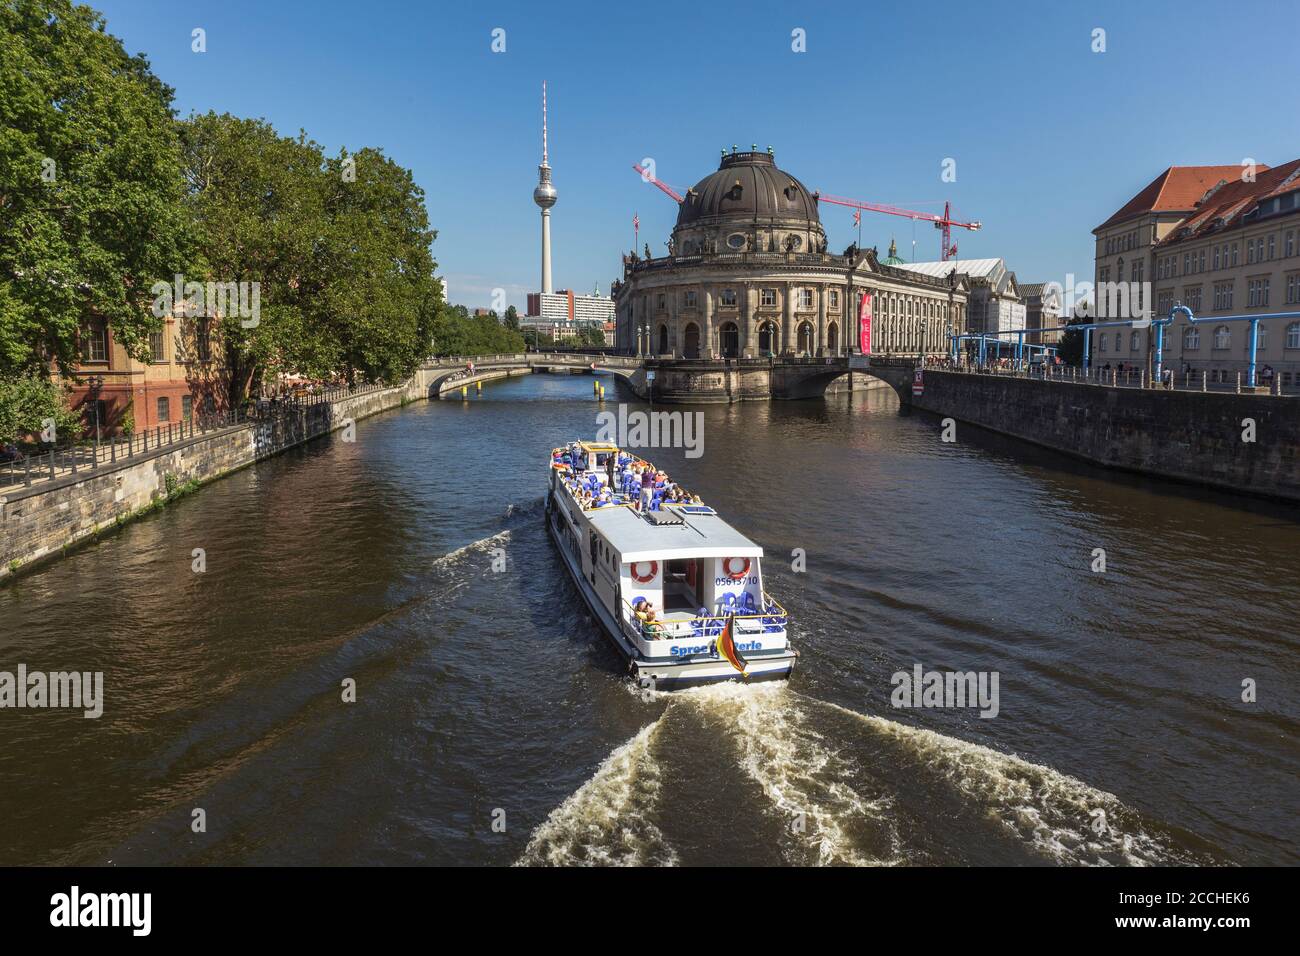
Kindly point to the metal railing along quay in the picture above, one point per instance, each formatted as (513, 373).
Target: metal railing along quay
(1135, 378)
(75, 458)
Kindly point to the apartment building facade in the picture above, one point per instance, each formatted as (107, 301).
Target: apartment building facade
(1222, 240)
(116, 392)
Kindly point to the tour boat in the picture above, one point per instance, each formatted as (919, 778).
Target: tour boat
(702, 579)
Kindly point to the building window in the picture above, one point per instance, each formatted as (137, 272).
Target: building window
(1257, 293)
(1222, 338)
(164, 409)
(1261, 339)
(835, 298)
(1133, 341)
(1192, 296)
(1234, 255)
(1289, 246)
(729, 297)
(662, 300)
(767, 297)
(690, 298)
(1191, 339)
(156, 348)
(94, 342)
(187, 407)
(1101, 341)
(805, 298)
(202, 346)
(1293, 288)
(736, 240)
(1272, 246)
(1293, 335)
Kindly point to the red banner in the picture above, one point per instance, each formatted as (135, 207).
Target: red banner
(864, 323)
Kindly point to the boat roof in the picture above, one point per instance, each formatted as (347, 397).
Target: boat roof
(701, 533)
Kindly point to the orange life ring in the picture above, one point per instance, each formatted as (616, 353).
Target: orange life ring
(734, 575)
(654, 569)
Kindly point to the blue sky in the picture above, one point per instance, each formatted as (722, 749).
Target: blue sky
(1049, 137)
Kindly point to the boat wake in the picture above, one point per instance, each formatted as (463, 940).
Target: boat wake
(1056, 815)
(809, 782)
(606, 821)
(846, 799)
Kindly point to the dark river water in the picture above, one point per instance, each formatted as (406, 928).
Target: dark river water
(493, 724)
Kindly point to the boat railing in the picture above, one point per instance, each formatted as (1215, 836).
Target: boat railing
(772, 620)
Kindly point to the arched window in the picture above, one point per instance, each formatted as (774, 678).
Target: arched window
(766, 338)
(729, 340)
(1222, 337)
(832, 338)
(805, 345)
(663, 340)
(1191, 338)
(1293, 335)
(691, 345)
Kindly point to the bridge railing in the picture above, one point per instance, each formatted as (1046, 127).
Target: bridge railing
(524, 358)
(1135, 378)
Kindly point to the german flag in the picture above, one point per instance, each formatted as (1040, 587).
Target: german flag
(727, 646)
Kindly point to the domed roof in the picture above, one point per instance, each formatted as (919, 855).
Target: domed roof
(892, 259)
(748, 187)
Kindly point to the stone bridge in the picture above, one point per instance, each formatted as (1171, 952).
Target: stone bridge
(678, 381)
(446, 376)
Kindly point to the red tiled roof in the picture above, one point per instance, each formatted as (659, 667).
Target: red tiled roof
(1234, 201)
(1177, 189)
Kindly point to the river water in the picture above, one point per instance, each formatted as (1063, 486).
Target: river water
(493, 725)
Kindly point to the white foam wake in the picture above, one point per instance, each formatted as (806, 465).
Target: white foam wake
(482, 544)
(605, 822)
(1059, 816)
(804, 779)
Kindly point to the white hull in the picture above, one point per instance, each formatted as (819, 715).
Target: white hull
(666, 664)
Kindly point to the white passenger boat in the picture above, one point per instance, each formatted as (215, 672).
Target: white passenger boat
(677, 589)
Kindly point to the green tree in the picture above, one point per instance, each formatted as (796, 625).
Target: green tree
(376, 289)
(1070, 347)
(511, 321)
(340, 248)
(257, 201)
(27, 400)
(90, 185)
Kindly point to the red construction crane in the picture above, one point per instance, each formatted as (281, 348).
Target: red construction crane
(645, 174)
(944, 222)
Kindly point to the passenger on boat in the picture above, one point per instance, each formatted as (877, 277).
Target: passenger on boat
(650, 627)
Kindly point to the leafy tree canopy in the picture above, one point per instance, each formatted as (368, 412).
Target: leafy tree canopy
(90, 185)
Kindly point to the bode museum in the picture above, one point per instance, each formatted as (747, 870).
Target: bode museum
(748, 275)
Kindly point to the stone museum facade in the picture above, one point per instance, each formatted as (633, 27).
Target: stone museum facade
(748, 275)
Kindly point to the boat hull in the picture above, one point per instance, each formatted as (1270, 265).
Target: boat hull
(666, 673)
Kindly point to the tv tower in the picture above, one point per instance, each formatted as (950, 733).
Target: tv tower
(545, 195)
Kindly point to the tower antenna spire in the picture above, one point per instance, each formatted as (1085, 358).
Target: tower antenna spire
(544, 195)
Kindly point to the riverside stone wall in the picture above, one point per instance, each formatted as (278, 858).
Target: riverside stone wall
(46, 519)
(1182, 435)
